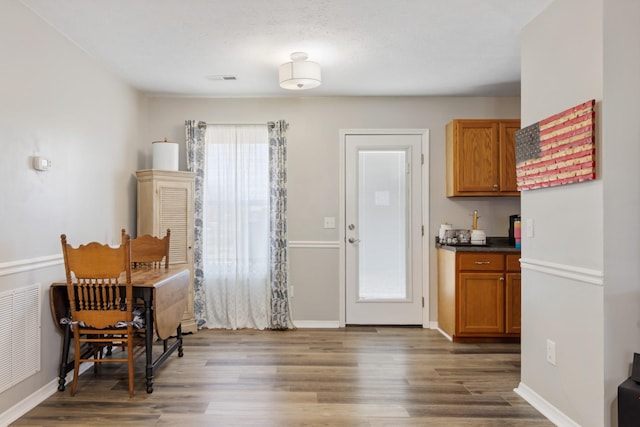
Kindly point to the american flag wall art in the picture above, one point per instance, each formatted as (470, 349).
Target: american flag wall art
(557, 150)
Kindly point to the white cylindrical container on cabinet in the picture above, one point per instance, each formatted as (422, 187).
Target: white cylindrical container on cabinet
(165, 155)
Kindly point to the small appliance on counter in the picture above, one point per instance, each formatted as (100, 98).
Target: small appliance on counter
(512, 221)
(444, 227)
(478, 237)
(455, 237)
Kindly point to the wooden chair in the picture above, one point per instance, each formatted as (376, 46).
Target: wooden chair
(101, 303)
(150, 251)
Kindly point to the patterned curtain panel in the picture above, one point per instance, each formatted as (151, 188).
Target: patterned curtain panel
(280, 306)
(195, 133)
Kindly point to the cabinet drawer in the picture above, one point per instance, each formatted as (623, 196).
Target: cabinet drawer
(481, 261)
(513, 262)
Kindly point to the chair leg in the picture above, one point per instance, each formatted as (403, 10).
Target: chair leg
(130, 359)
(76, 362)
(97, 355)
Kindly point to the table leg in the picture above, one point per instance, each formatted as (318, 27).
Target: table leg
(180, 351)
(149, 343)
(66, 342)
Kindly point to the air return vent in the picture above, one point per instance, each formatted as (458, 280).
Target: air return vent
(19, 335)
(222, 77)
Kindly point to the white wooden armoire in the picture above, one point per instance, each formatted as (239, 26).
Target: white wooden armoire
(165, 200)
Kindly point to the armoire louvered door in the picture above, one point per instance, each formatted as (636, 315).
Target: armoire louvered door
(165, 200)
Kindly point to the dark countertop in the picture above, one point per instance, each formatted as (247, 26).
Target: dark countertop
(494, 244)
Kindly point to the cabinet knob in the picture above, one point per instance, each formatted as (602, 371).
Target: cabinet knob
(495, 186)
(501, 279)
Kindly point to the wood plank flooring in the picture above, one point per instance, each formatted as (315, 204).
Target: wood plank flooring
(355, 376)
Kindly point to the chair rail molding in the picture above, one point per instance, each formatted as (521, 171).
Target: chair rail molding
(319, 244)
(586, 275)
(20, 266)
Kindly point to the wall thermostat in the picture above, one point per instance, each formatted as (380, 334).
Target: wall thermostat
(41, 164)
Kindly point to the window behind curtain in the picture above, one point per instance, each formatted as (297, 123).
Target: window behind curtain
(236, 229)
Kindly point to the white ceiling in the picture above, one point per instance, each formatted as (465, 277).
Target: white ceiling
(365, 47)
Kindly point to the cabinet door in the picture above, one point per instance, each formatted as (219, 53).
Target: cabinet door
(476, 156)
(480, 303)
(176, 213)
(512, 303)
(165, 200)
(507, 131)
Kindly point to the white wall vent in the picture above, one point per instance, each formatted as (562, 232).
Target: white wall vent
(19, 335)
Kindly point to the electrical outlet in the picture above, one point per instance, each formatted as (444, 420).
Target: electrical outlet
(551, 352)
(291, 291)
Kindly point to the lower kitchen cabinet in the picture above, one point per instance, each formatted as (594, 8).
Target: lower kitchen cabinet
(481, 303)
(512, 303)
(479, 295)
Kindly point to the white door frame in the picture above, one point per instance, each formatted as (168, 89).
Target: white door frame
(425, 215)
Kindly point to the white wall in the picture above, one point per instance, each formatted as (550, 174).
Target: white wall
(57, 101)
(313, 174)
(588, 300)
(621, 179)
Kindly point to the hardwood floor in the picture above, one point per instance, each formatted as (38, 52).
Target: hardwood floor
(356, 376)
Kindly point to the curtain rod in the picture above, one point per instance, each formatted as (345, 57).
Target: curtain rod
(235, 124)
(269, 124)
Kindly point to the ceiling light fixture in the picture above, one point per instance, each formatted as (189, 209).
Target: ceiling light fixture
(300, 74)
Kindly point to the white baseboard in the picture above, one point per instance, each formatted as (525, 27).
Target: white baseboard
(434, 325)
(317, 324)
(36, 398)
(446, 335)
(545, 408)
(25, 405)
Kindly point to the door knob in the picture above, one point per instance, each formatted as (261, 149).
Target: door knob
(353, 240)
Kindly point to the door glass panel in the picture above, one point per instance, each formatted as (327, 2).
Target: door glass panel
(383, 225)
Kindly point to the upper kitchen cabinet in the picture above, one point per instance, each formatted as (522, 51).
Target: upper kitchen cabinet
(481, 158)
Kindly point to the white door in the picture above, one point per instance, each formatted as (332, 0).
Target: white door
(383, 235)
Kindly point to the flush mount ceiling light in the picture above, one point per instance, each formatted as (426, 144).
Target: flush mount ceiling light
(300, 74)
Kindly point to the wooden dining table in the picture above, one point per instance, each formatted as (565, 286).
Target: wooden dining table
(164, 292)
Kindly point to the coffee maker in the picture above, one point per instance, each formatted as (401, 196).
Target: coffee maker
(512, 219)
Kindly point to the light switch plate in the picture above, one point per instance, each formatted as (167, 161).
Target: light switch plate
(329, 222)
(529, 225)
